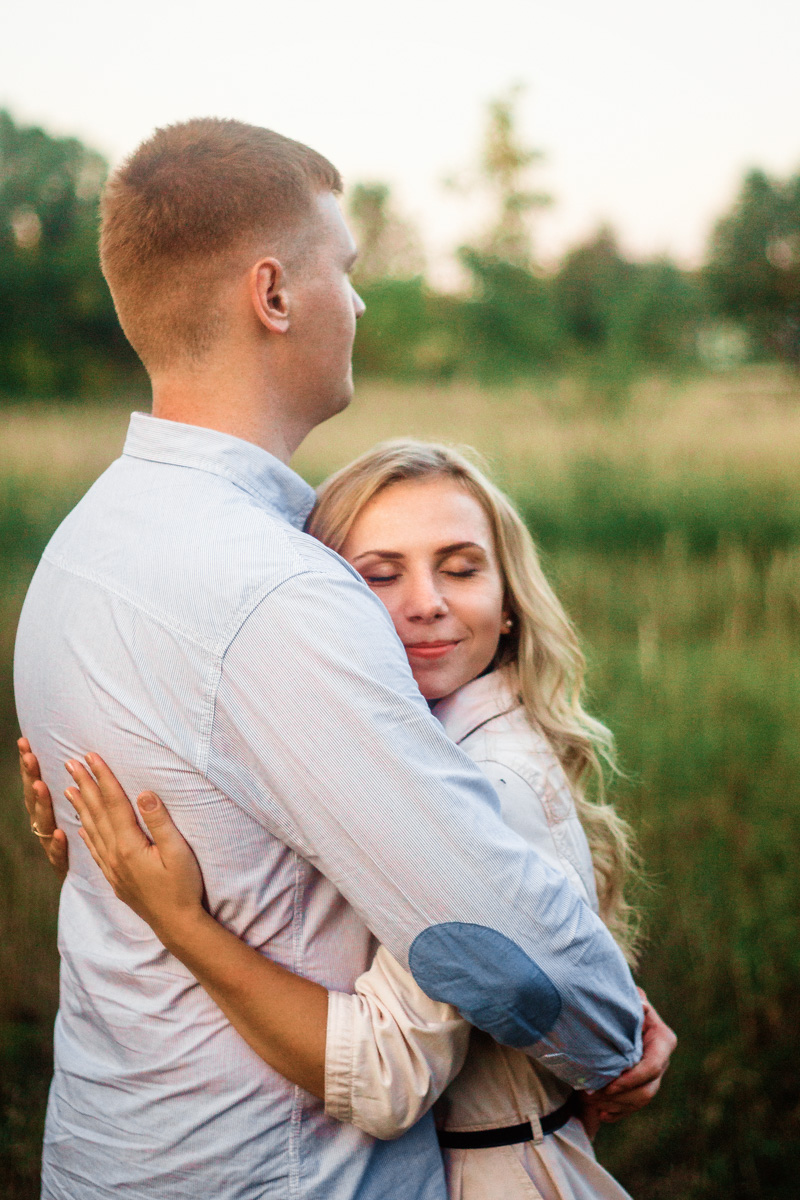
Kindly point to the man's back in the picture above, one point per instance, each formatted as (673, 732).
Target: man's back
(120, 647)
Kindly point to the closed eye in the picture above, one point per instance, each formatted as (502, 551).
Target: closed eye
(376, 580)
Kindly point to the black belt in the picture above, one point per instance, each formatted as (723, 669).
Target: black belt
(482, 1139)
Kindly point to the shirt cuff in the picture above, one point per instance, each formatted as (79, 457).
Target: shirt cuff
(339, 1057)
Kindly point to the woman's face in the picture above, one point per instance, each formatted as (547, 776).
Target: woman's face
(426, 549)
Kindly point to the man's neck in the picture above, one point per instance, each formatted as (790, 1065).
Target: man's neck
(229, 408)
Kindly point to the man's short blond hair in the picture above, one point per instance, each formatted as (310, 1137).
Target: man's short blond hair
(178, 215)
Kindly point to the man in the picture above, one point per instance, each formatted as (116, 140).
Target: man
(181, 622)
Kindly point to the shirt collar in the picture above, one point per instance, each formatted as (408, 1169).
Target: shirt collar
(254, 470)
(475, 703)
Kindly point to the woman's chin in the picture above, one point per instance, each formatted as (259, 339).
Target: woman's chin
(440, 688)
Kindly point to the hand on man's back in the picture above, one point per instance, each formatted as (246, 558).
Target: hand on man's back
(39, 805)
(636, 1087)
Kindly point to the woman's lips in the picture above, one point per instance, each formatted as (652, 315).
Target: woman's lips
(430, 650)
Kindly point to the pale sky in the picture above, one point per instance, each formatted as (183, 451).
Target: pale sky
(648, 113)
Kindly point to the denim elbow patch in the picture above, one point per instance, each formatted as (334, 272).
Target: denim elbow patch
(490, 979)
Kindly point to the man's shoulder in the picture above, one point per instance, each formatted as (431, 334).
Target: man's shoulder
(196, 560)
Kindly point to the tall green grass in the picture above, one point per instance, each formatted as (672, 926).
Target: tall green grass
(602, 506)
(695, 667)
(593, 505)
(686, 588)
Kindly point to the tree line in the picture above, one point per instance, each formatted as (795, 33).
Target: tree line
(596, 310)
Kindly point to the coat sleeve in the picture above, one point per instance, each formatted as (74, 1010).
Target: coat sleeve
(320, 732)
(391, 1050)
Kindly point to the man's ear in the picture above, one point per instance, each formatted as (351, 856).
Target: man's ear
(269, 294)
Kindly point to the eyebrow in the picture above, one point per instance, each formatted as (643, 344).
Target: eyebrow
(443, 551)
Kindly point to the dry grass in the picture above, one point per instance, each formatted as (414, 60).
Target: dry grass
(57, 443)
(745, 423)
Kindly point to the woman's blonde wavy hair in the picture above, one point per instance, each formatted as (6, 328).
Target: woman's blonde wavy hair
(540, 656)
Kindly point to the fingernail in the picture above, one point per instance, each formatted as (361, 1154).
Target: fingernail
(148, 802)
(70, 765)
(89, 758)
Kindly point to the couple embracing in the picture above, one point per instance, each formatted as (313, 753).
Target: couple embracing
(372, 943)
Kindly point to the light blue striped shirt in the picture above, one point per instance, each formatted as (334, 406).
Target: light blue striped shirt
(181, 623)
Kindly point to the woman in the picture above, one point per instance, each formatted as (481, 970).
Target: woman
(492, 650)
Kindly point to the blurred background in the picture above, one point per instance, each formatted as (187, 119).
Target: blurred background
(580, 253)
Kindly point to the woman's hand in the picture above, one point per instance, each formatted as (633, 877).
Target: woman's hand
(159, 880)
(39, 804)
(281, 1015)
(637, 1086)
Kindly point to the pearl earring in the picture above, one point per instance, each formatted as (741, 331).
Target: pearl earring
(508, 624)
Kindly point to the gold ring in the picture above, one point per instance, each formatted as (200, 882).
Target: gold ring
(35, 829)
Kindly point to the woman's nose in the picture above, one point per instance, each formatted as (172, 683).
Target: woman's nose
(359, 306)
(425, 601)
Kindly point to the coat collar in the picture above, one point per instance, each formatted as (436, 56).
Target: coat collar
(476, 703)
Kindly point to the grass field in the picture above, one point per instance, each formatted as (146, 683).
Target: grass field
(671, 527)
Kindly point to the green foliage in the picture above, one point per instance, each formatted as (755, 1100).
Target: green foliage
(58, 330)
(706, 733)
(394, 329)
(25, 1055)
(388, 246)
(753, 267)
(399, 335)
(619, 509)
(657, 318)
(587, 286)
(505, 172)
(509, 326)
(693, 670)
(598, 307)
(625, 312)
(601, 313)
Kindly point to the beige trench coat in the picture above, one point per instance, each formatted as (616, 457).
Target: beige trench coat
(392, 1052)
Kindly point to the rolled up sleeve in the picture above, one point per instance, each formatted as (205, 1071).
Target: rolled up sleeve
(391, 1050)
